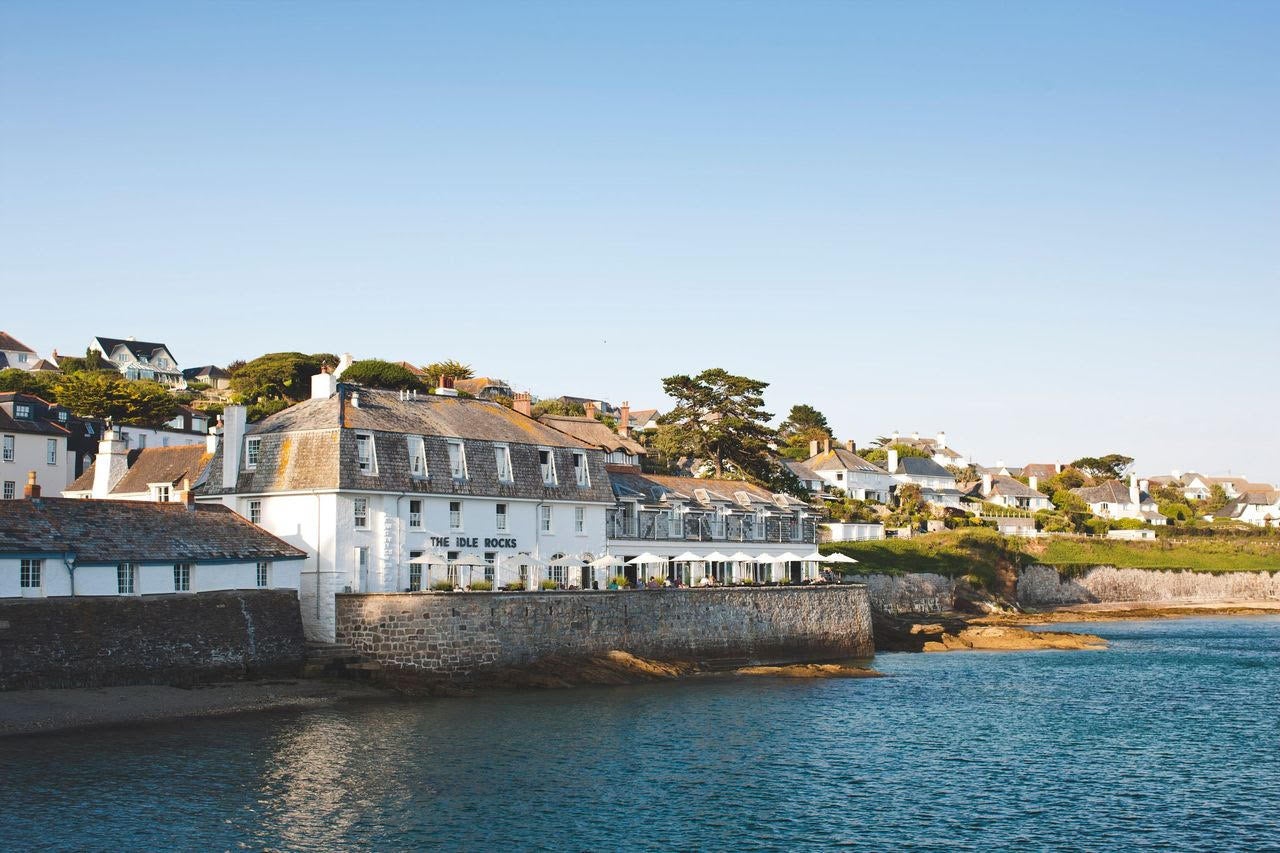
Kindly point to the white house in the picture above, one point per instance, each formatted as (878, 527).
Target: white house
(937, 484)
(1008, 492)
(1260, 507)
(62, 547)
(14, 353)
(842, 468)
(151, 474)
(368, 481)
(937, 448)
(696, 528)
(1113, 500)
(140, 360)
(30, 441)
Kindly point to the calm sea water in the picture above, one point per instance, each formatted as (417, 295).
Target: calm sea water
(1169, 740)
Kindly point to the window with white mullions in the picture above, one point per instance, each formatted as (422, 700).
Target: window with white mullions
(182, 577)
(31, 574)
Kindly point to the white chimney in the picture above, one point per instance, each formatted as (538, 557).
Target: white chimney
(1034, 482)
(895, 435)
(1177, 475)
(323, 385)
(813, 448)
(112, 463)
(211, 441)
(893, 461)
(986, 485)
(915, 436)
(942, 441)
(1134, 495)
(233, 423)
(343, 364)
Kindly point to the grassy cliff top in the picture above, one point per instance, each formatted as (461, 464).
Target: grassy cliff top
(955, 553)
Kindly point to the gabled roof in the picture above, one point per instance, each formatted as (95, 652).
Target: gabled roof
(1112, 491)
(9, 342)
(840, 459)
(44, 365)
(1040, 470)
(640, 417)
(801, 470)
(659, 488)
(150, 465)
(476, 385)
(1238, 483)
(593, 432)
(138, 349)
(1004, 486)
(427, 414)
(210, 371)
(918, 466)
(114, 531)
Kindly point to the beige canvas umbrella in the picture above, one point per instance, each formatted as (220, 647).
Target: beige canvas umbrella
(608, 561)
(838, 558)
(689, 557)
(646, 558)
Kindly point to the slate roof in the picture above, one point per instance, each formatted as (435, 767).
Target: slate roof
(305, 447)
(840, 459)
(115, 531)
(801, 470)
(1010, 488)
(918, 466)
(139, 349)
(152, 465)
(1112, 491)
(35, 425)
(211, 371)
(1040, 470)
(9, 342)
(479, 384)
(657, 488)
(593, 432)
(640, 417)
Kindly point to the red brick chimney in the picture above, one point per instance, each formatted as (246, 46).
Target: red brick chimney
(589, 408)
(32, 490)
(624, 419)
(523, 404)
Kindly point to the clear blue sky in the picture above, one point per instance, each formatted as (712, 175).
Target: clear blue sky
(1049, 229)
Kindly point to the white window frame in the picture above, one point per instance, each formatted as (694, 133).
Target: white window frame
(455, 516)
(22, 411)
(547, 469)
(417, 457)
(367, 462)
(581, 474)
(7, 453)
(129, 571)
(182, 577)
(544, 519)
(161, 493)
(31, 576)
(51, 451)
(415, 516)
(580, 520)
(255, 511)
(9, 491)
(360, 513)
(500, 512)
(252, 453)
(502, 459)
(262, 574)
(457, 460)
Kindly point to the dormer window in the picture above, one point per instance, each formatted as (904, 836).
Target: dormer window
(252, 452)
(62, 417)
(580, 473)
(365, 453)
(160, 492)
(547, 464)
(502, 459)
(457, 460)
(417, 457)
(22, 410)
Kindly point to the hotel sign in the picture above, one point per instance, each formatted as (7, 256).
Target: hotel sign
(474, 542)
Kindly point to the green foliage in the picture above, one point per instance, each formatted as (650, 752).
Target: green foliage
(376, 373)
(279, 376)
(719, 418)
(880, 455)
(450, 368)
(1178, 511)
(1109, 467)
(1127, 524)
(1217, 499)
(1216, 554)
(26, 382)
(264, 408)
(1065, 480)
(549, 584)
(804, 419)
(620, 581)
(1097, 526)
(1069, 502)
(92, 361)
(558, 407)
(481, 586)
(954, 553)
(110, 395)
(442, 586)
(513, 586)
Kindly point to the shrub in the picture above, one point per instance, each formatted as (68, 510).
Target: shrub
(442, 586)
(620, 581)
(548, 584)
(513, 586)
(481, 586)
(1097, 526)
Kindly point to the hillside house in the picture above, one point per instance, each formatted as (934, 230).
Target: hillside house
(141, 360)
(1113, 500)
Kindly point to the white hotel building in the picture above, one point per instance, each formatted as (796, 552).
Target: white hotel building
(366, 480)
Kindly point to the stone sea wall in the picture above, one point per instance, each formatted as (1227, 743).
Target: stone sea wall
(1042, 586)
(458, 637)
(910, 593)
(164, 639)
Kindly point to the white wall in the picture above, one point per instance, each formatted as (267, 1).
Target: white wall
(29, 455)
(159, 437)
(152, 578)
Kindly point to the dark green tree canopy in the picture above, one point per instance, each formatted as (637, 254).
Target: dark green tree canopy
(376, 373)
(880, 455)
(1109, 467)
(29, 382)
(279, 376)
(450, 368)
(719, 418)
(109, 395)
(804, 419)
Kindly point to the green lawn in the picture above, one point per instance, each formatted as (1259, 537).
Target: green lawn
(978, 552)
